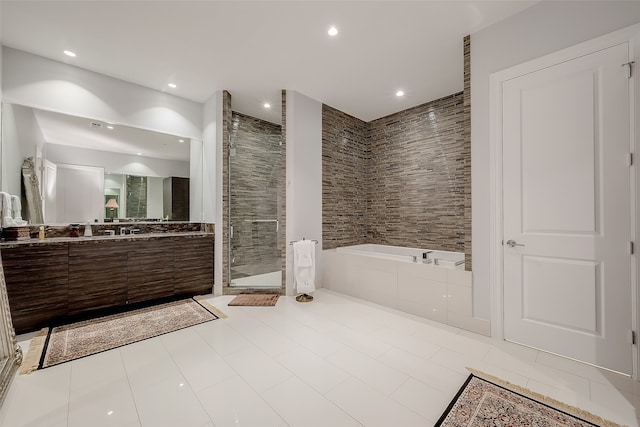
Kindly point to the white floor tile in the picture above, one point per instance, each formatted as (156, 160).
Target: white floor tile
(104, 403)
(300, 405)
(312, 369)
(258, 369)
(413, 394)
(222, 338)
(345, 361)
(38, 399)
(234, 403)
(97, 368)
(169, 403)
(372, 408)
(374, 373)
(438, 377)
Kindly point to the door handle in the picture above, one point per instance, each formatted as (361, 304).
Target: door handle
(513, 244)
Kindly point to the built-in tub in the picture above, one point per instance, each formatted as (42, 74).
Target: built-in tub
(397, 277)
(441, 258)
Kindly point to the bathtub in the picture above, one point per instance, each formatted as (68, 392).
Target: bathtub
(397, 277)
(441, 258)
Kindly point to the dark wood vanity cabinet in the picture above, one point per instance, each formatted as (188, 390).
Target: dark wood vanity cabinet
(97, 275)
(150, 268)
(50, 281)
(194, 266)
(37, 284)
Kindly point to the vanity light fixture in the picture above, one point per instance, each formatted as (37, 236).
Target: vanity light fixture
(399, 93)
(172, 85)
(69, 53)
(333, 31)
(267, 105)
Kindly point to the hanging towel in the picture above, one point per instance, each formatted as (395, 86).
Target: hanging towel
(304, 266)
(16, 211)
(5, 209)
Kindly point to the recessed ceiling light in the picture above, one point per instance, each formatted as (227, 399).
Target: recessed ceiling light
(181, 140)
(139, 154)
(399, 93)
(267, 105)
(172, 85)
(110, 127)
(333, 31)
(69, 53)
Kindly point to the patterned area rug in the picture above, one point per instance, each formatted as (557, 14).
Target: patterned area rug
(262, 300)
(484, 400)
(76, 340)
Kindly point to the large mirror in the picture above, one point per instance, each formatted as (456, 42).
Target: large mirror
(91, 170)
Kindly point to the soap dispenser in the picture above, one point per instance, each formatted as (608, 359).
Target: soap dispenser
(87, 229)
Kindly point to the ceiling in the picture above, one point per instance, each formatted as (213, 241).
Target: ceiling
(64, 129)
(254, 49)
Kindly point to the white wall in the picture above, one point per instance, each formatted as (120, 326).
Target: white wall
(21, 138)
(542, 29)
(304, 177)
(127, 164)
(212, 177)
(155, 197)
(196, 212)
(51, 85)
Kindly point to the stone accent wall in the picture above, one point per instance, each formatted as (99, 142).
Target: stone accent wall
(467, 152)
(414, 167)
(136, 196)
(415, 196)
(345, 158)
(255, 165)
(410, 167)
(282, 197)
(226, 131)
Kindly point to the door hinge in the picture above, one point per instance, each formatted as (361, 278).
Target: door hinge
(628, 66)
(631, 248)
(633, 337)
(630, 161)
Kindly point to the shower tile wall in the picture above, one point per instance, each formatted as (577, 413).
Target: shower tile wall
(255, 177)
(467, 151)
(344, 179)
(136, 196)
(415, 195)
(409, 166)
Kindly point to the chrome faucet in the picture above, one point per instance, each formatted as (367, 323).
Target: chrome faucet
(109, 232)
(425, 257)
(134, 230)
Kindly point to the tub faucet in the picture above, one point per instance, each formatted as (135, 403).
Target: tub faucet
(415, 258)
(425, 257)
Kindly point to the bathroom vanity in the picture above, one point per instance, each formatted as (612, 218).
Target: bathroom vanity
(52, 279)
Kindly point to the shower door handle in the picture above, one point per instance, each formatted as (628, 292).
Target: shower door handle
(277, 225)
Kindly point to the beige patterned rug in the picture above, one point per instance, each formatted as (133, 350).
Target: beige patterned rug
(76, 340)
(484, 400)
(261, 300)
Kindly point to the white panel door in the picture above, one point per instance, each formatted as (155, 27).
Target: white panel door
(566, 193)
(79, 193)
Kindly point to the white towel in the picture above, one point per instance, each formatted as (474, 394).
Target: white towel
(5, 210)
(304, 266)
(16, 211)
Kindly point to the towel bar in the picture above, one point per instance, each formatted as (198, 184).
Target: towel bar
(293, 241)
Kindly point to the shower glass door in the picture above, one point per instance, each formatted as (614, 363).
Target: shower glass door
(255, 154)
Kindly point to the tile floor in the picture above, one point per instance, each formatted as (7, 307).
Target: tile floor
(337, 361)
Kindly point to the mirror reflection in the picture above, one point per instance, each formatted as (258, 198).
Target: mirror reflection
(91, 170)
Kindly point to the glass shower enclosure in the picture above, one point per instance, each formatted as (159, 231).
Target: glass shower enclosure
(254, 163)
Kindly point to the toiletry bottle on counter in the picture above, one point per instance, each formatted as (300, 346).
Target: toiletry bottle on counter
(87, 229)
(41, 232)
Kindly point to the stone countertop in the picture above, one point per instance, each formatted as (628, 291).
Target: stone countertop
(101, 238)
